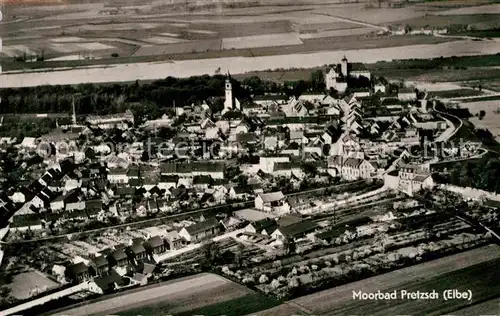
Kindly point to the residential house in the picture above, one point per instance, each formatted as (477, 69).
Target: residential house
(118, 175)
(119, 258)
(79, 272)
(213, 169)
(240, 193)
(155, 245)
(351, 169)
(272, 202)
(137, 250)
(264, 226)
(295, 231)
(174, 241)
(200, 231)
(167, 182)
(100, 264)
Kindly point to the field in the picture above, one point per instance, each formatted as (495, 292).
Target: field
(491, 120)
(456, 93)
(475, 268)
(152, 31)
(27, 284)
(491, 307)
(204, 293)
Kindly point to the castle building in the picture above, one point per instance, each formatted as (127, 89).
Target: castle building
(336, 77)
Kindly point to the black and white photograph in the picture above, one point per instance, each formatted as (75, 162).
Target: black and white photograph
(250, 157)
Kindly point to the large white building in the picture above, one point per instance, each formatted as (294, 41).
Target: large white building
(336, 77)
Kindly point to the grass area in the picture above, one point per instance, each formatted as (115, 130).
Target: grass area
(457, 93)
(485, 34)
(452, 21)
(482, 279)
(239, 306)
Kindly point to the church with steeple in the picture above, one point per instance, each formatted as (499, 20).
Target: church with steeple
(231, 103)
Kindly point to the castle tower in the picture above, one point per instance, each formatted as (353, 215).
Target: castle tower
(343, 66)
(228, 103)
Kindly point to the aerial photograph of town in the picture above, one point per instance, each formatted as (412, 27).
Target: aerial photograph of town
(250, 157)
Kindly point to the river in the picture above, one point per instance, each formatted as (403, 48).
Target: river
(238, 65)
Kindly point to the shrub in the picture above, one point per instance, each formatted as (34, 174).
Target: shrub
(263, 279)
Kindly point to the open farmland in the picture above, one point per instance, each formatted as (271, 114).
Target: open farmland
(491, 307)
(283, 39)
(483, 9)
(491, 120)
(335, 300)
(476, 21)
(182, 296)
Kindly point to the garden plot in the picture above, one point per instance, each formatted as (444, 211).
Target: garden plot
(344, 32)
(202, 32)
(163, 40)
(25, 285)
(180, 48)
(74, 47)
(68, 39)
(113, 27)
(95, 46)
(16, 50)
(169, 34)
(268, 40)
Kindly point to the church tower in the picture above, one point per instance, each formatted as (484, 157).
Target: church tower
(343, 66)
(73, 117)
(228, 103)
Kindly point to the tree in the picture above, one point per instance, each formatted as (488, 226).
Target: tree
(318, 80)
(482, 113)
(211, 251)
(289, 245)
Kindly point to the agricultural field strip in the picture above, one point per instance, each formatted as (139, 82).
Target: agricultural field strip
(172, 290)
(338, 295)
(474, 277)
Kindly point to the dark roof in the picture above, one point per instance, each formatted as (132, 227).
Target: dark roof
(155, 241)
(243, 189)
(331, 234)
(202, 180)
(137, 248)
(169, 179)
(359, 222)
(105, 281)
(190, 167)
(298, 229)
(202, 226)
(264, 223)
(78, 268)
(119, 254)
(289, 220)
(100, 261)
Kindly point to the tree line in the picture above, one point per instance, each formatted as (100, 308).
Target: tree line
(152, 98)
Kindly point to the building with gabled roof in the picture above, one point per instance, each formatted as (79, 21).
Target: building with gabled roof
(201, 230)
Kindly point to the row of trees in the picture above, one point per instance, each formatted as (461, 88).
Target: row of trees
(483, 173)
